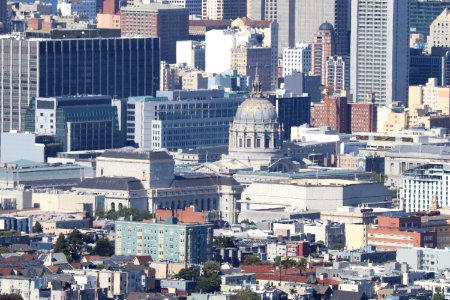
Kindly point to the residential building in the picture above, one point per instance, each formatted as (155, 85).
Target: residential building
(354, 215)
(435, 260)
(329, 233)
(363, 117)
(223, 9)
(400, 231)
(430, 97)
(247, 42)
(99, 55)
(85, 9)
(356, 235)
(332, 112)
(170, 23)
(322, 48)
(198, 28)
(157, 123)
(170, 241)
(423, 12)
(111, 7)
(364, 254)
(191, 53)
(27, 288)
(404, 157)
(337, 75)
(439, 33)
(425, 187)
(379, 50)
(67, 119)
(297, 58)
(108, 21)
(188, 215)
(15, 223)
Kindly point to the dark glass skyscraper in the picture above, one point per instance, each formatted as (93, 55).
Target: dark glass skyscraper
(120, 67)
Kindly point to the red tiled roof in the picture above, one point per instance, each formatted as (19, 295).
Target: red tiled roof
(6, 271)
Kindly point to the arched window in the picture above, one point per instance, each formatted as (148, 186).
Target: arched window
(120, 206)
(113, 206)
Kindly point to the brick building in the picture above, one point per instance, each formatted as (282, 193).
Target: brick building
(188, 215)
(400, 231)
(168, 22)
(332, 112)
(363, 117)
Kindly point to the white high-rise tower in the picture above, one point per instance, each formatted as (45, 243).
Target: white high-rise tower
(379, 50)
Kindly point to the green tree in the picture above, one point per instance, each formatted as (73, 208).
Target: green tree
(210, 268)
(287, 263)
(190, 273)
(337, 246)
(301, 265)
(127, 213)
(103, 247)
(61, 244)
(438, 296)
(251, 260)
(223, 242)
(208, 284)
(37, 228)
(247, 294)
(11, 297)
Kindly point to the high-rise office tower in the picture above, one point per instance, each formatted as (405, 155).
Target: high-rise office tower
(256, 9)
(338, 73)
(168, 22)
(3, 16)
(223, 9)
(379, 50)
(119, 67)
(299, 19)
(440, 31)
(342, 26)
(194, 6)
(297, 59)
(423, 12)
(322, 48)
(310, 14)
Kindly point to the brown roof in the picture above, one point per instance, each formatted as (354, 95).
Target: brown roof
(208, 23)
(144, 259)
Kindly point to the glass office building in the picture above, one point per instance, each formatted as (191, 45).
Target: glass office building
(118, 67)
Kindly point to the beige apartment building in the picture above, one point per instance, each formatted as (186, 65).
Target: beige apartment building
(440, 31)
(108, 21)
(223, 9)
(430, 97)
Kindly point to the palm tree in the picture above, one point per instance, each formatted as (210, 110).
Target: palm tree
(301, 264)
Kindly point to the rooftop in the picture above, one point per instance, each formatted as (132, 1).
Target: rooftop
(154, 7)
(112, 183)
(139, 154)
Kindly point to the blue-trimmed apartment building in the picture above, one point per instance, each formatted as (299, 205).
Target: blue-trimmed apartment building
(170, 241)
